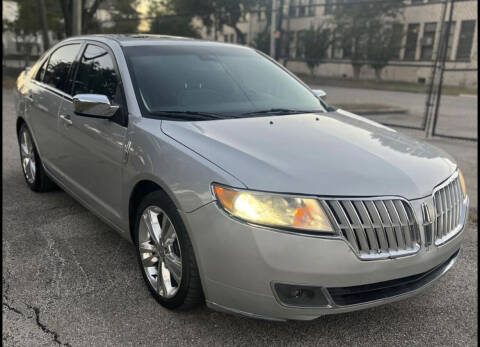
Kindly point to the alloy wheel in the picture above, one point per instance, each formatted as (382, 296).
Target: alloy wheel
(27, 154)
(160, 251)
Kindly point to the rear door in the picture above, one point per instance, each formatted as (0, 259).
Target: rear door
(92, 149)
(45, 95)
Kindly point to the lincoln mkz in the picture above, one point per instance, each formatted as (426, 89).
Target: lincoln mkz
(238, 185)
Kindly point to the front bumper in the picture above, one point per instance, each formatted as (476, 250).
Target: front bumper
(240, 263)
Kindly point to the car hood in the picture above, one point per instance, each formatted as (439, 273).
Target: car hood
(330, 154)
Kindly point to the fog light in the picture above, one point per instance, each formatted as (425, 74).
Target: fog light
(301, 296)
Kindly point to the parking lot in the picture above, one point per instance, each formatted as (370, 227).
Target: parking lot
(69, 279)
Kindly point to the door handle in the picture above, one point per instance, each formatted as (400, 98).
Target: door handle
(66, 119)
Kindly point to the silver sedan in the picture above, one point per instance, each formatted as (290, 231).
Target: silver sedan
(238, 185)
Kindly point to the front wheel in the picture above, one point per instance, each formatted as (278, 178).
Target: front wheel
(165, 253)
(33, 171)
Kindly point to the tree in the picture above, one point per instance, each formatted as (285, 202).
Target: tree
(315, 42)
(125, 17)
(353, 21)
(216, 13)
(89, 24)
(383, 45)
(165, 21)
(43, 20)
(262, 41)
(28, 24)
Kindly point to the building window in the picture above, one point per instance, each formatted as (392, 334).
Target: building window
(311, 8)
(302, 10)
(451, 33)
(411, 44)
(232, 38)
(329, 6)
(292, 8)
(465, 41)
(428, 40)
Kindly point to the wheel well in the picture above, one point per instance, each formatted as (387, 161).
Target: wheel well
(140, 190)
(20, 121)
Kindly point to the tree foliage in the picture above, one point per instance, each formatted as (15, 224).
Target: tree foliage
(315, 42)
(384, 43)
(165, 21)
(89, 8)
(216, 13)
(125, 17)
(354, 21)
(27, 25)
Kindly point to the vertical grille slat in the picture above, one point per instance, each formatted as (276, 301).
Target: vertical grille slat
(387, 224)
(370, 230)
(402, 213)
(376, 228)
(444, 211)
(380, 231)
(449, 208)
(357, 225)
(345, 224)
(396, 223)
(460, 200)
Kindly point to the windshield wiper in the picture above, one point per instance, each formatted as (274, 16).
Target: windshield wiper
(189, 115)
(276, 111)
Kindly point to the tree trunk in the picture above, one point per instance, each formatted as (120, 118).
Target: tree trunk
(356, 71)
(43, 19)
(378, 73)
(240, 35)
(67, 15)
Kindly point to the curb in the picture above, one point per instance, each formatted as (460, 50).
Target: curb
(380, 111)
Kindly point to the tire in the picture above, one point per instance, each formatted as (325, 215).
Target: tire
(33, 172)
(186, 294)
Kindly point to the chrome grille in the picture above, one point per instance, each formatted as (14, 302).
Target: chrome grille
(448, 201)
(376, 228)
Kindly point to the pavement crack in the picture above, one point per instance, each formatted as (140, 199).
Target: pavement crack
(11, 308)
(45, 328)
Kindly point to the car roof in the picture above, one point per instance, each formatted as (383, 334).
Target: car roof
(149, 39)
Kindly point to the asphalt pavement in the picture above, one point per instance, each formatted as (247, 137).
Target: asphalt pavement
(69, 279)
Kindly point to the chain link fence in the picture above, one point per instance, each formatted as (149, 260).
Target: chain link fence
(420, 56)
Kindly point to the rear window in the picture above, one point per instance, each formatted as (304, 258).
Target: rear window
(59, 65)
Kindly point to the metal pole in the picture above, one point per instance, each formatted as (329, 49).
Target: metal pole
(77, 18)
(431, 101)
(442, 67)
(273, 26)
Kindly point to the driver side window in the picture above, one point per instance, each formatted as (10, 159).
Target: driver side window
(96, 75)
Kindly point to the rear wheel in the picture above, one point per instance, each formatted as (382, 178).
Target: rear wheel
(33, 171)
(165, 253)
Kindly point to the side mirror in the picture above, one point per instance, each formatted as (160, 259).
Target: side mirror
(319, 93)
(93, 105)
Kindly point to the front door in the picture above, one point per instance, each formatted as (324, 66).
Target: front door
(92, 149)
(46, 93)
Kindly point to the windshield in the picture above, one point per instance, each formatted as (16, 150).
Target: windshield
(221, 81)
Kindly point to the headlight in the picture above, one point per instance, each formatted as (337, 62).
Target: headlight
(462, 183)
(273, 210)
